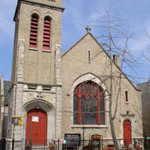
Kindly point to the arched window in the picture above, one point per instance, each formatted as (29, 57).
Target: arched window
(34, 30)
(47, 33)
(89, 105)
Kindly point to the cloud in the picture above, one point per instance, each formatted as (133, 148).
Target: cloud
(74, 13)
(6, 26)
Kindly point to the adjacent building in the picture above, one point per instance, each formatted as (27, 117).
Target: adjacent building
(145, 96)
(4, 98)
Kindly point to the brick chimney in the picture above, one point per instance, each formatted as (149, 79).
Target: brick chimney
(116, 59)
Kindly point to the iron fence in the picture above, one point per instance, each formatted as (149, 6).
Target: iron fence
(105, 144)
(2, 144)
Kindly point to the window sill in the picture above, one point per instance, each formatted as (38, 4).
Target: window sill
(47, 51)
(33, 49)
(89, 126)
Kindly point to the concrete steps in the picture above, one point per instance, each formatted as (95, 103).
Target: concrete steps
(40, 147)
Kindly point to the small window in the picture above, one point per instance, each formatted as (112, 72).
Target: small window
(34, 30)
(32, 86)
(46, 88)
(89, 56)
(46, 33)
(126, 96)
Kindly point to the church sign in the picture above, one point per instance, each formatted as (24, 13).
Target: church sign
(96, 142)
(72, 140)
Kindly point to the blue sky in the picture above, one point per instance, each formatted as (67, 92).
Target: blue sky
(134, 16)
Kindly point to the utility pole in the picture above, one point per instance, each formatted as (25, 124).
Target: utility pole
(83, 130)
(24, 131)
(31, 135)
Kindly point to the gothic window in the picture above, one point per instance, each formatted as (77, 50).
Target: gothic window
(46, 33)
(88, 104)
(34, 30)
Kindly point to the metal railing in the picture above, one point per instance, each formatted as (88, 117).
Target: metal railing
(61, 145)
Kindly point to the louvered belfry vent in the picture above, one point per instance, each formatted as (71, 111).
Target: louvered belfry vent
(46, 33)
(34, 30)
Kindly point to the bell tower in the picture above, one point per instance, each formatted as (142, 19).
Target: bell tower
(36, 70)
(38, 32)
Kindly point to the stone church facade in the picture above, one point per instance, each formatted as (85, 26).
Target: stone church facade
(57, 94)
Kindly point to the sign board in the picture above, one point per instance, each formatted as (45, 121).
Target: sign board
(35, 119)
(72, 140)
(96, 142)
(64, 142)
(17, 120)
(148, 137)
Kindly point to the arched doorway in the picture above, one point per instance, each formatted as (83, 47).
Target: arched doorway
(37, 125)
(127, 133)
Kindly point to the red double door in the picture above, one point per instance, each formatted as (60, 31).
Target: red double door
(37, 125)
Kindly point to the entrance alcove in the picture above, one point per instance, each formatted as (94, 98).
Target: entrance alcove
(40, 122)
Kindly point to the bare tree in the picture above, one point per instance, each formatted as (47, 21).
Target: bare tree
(147, 56)
(114, 41)
(112, 46)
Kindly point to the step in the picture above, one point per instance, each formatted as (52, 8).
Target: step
(40, 147)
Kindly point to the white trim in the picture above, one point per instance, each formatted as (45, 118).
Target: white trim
(35, 11)
(48, 14)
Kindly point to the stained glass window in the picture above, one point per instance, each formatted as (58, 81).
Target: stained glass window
(89, 105)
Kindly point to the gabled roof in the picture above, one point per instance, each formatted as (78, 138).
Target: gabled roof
(76, 43)
(103, 51)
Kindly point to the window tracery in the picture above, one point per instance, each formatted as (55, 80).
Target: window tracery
(89, 106)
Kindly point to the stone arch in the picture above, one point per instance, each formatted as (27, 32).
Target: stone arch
(87, 77)
(35, 11)
(38, 103)
(49, 109)
(49, 15)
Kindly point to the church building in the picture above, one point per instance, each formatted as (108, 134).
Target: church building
(64, 98)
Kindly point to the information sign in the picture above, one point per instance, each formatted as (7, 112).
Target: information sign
(72, 140)
(35, 119)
